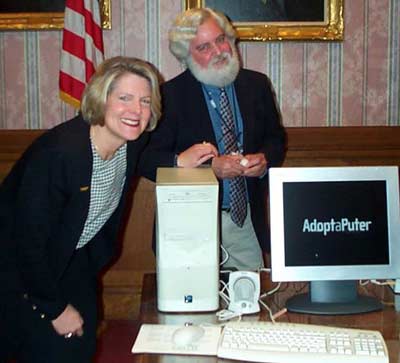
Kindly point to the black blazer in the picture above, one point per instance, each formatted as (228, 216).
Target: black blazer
(186, 121)
(44, 203)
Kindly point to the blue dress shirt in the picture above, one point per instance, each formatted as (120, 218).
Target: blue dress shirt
(212, 94)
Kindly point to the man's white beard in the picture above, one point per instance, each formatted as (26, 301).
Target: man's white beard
(218, 77)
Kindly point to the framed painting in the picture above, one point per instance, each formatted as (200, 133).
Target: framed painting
(41, 14)
(263, 20)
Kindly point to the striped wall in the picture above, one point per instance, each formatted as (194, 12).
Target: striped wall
(351, 83)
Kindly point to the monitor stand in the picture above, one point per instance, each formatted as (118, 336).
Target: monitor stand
(333, 298)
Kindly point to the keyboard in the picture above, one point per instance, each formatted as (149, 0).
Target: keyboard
(300, 343)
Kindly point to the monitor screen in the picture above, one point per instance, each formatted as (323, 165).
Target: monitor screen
(333, 226)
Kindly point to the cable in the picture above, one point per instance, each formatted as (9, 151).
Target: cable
(382, 283)
(264, 269)
(272, 316)
(271, 292)
(266, 307)
(226, 255)
(279, 313)
(224, 296)
(225, 314)
(376, 282)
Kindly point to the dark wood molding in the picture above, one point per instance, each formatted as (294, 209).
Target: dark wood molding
(331, 146)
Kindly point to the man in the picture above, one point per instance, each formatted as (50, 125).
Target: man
(220, 114)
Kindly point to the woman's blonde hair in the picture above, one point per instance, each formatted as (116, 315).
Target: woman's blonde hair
(185, 26)
(103, 82)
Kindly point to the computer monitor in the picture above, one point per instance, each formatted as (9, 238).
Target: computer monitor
(333, 226)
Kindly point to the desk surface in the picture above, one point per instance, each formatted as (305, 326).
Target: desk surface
(120, 335)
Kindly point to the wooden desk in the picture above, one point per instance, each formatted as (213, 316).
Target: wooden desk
(117, 337)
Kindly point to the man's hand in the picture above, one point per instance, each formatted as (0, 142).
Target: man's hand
(196, 155)
(69, 322)
(256, 165)
(230, 166)
(227, 166)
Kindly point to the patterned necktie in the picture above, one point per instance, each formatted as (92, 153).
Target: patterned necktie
(237, 187)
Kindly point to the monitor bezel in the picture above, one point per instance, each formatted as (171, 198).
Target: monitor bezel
(281, 272)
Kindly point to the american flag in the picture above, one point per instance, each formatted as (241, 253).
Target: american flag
(82, 48)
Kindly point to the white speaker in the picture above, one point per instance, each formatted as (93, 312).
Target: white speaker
(244, 292)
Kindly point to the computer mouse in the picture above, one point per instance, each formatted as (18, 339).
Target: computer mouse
(187, 335)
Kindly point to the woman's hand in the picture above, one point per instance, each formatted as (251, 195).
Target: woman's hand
(69, 322)
(196, 155)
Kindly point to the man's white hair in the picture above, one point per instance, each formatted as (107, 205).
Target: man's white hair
(185, 26)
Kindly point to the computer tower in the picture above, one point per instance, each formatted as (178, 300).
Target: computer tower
(187, 240)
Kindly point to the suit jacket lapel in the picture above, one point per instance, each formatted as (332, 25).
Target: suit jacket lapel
(199, 110)
(81, 161)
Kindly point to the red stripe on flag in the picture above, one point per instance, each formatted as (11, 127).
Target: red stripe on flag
(89, 69)
(80, 45)
(72, 86)
(91, 27)
(76, 5)
(74, 44)
(94, 31)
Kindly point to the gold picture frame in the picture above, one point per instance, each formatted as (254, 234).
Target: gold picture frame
(330, 29)
(47, 20)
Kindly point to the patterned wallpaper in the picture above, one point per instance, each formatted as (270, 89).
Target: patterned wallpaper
(351, 83)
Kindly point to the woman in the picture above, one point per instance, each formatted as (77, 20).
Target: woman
(60, 211)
